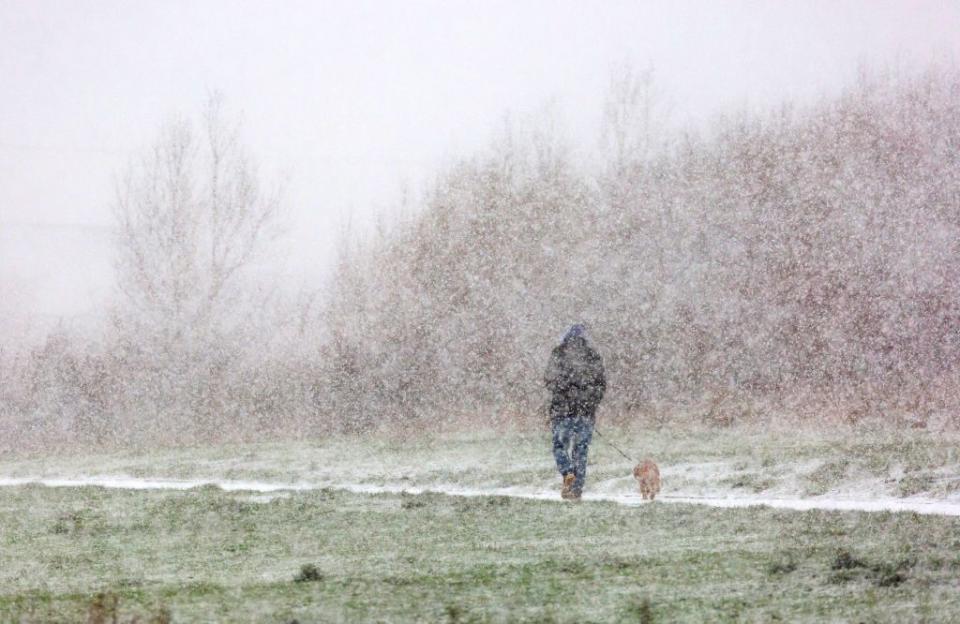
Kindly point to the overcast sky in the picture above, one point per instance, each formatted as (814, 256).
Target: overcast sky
(349, 100)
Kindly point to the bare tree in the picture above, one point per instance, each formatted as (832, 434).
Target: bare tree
(191, 217)
(192, 221)
(635, 118)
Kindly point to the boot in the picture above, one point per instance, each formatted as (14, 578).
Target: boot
(567, 492)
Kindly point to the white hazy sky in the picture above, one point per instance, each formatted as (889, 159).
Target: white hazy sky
(349, 100)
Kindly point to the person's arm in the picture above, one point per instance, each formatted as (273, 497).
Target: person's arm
(600, 380)
(551, 377)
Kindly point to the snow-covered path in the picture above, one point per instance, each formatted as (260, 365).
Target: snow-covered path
(917, 505)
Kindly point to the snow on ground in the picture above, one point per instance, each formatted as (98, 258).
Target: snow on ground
(918, 472)
(914, 504)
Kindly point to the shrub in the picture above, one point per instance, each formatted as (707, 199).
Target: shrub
(309, 573)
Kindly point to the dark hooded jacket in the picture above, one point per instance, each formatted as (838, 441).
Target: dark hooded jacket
(575, 377)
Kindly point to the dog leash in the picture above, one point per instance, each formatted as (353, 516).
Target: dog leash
(604, 438)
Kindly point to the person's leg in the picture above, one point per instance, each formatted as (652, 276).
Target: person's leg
(562, 430)
(583, 433)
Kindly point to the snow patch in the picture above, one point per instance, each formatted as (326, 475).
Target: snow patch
(915, 504)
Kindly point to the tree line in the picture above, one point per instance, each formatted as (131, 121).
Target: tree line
(800, 263)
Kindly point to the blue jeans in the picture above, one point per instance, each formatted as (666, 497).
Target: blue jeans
(573, 433)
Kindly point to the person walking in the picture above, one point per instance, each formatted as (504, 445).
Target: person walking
(575, 377)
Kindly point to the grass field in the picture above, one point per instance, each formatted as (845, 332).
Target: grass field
(207, 555)
(94, 554)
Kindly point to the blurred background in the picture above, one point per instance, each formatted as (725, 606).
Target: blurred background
(749, 203)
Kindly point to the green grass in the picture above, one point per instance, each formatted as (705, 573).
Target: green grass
(320, 556)
(827, 475)
(91, 554)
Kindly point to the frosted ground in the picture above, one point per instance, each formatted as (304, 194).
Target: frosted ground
(349, 529)
(889, 469)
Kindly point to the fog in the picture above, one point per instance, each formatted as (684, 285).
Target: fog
(229, 221)
(350, 105)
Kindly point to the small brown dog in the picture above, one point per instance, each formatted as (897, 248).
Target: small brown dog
(648, 476)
